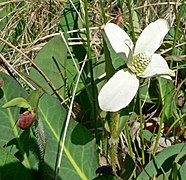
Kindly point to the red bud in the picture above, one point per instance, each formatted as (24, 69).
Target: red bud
(119, 19)
(26, 120)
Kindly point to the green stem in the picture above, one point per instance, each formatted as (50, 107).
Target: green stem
(113, 154)
(131, 12)
(94, 100)
(103, 11)
(114, 117)
(178, 15)
(141, 130)
(120, 2)
(130, 144)
(159, 132)
(161, 120)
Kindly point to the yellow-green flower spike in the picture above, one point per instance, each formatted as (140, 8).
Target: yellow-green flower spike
(140, 62)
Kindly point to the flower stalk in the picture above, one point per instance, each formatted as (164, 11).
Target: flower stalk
(113, 156)
(114, 117)
(114, 126)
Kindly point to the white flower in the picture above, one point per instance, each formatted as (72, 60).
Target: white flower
(142, 61)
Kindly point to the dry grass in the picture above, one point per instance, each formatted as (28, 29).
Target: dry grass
(29, 24)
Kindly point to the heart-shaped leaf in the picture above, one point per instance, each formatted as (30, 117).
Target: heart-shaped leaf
(79, 157)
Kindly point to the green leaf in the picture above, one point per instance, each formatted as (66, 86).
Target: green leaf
(52, 60)
(168, 97)
(163, 161)
(147, 135)
(149, 91)
(11, 90)
(182, 171)
(99, 68)
(112, 60)
(33, 98)
(129, 168)
(11, 168)
(79, 157)
(124, 117)
(5, 12)
(27, 144)
(109, 68)
(18, 102)
(181, 155)
(69, 17)
(175, 170)
(183, 109)
(70, 21)
(180, 162)
(21, 144)
(136, 23)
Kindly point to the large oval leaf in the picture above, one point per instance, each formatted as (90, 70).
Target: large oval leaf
(79, 157)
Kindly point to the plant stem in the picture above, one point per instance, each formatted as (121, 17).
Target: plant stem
(141, 129)
(131, 10)
(178, 15)
(113, 154)
(161, 120)
(103, 11)
(94, 99)
(130, 144)
(114, 117)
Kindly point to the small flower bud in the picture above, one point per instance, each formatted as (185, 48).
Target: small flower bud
(26, 120)
(1, 82)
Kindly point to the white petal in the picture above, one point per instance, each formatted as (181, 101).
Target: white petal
(152, 37)
(118, 39)
(157, 66)
(166, 77)
(118, 92)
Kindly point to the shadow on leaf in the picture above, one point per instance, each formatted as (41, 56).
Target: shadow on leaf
(80, 135)
(1, 93)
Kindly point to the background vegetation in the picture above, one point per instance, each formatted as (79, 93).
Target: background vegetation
(54, 62)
